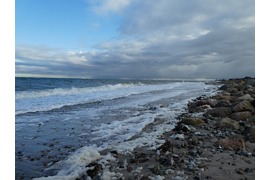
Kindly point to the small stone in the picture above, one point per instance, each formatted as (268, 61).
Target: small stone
(156, 169)
(240, 171)
(129, 168)
(166, 161)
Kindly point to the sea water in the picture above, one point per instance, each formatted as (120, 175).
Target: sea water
(60, 119)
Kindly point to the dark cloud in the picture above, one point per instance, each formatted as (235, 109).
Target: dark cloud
(161, 39)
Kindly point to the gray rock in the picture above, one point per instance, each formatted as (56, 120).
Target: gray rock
(223, 103)
(246, 97)
(219, 112)
(192, 121)
(250, 134)
(241, 116)
(228, 123)
(243, 106)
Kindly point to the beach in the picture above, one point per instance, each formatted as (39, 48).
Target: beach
(214, 140)
(210, 135)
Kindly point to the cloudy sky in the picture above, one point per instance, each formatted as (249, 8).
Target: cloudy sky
(159, 39)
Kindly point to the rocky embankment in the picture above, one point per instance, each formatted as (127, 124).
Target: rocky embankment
(214, 140)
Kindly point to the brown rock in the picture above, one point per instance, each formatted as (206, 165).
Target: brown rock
(243, 106)
(223, 103)
(233, 143)
(223, 97)
(232, 90)
(246, 97)
(219, 111)
(192, 121)
(212, 102)
(228, 123)
(241, 116)
(167, 146)
(197, 106)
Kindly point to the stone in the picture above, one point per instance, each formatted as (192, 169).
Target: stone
(165, 147)
(192, 121)
(223, 97)
(165, 161)
(250, 82)
(250, 134)
(212, 102)
(241, 116)
(251, 90)
(156, 169)
(243, 106)
(182, 128)
(228, 123)
(93, 172)
(223, 103)
(246, 97)
(202, 108)
(198, 106)
(232, 90)
(224, 87)
(139, 158)
(219, 112)
(232, 143)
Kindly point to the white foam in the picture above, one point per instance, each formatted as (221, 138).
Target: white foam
(74, 166)
(33, 101)
(157, 177)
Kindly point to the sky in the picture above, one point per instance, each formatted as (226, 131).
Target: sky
(135, 39)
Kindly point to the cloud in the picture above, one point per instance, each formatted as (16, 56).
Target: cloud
(161, 39)
(109, 6)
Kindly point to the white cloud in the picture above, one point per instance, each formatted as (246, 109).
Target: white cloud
(162, 39)
(108, 6)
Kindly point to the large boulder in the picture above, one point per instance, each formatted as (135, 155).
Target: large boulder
(232, 143)
(246, 97)
(223, 103)
(243, 106)
(199, 106)
(223, 97)
(192, 121)
(241, 116)
(219, 112)
(228, 123)
(224, 87)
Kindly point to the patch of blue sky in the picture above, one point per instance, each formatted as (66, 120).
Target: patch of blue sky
(59, 23)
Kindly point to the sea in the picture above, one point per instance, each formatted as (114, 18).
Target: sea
(60, 122)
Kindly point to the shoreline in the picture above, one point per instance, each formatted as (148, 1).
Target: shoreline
(214, 140)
